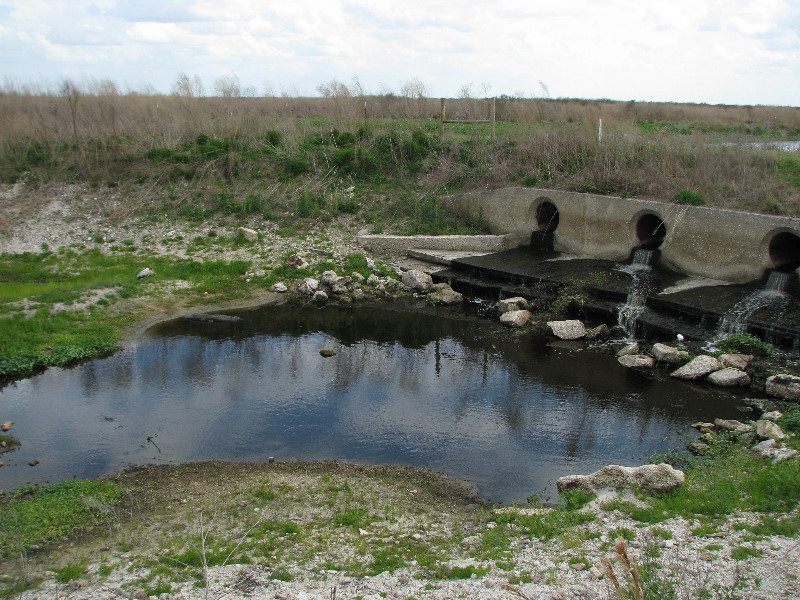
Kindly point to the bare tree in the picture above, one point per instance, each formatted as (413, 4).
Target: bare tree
(414, 91)
(188, 87)
(333, 89)
(228, 86)
(108, 93)
(70, 91)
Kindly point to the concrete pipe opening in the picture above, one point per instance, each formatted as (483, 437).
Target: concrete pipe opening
(784, 252)
(547, 217)
(651, 231)
(546, 222)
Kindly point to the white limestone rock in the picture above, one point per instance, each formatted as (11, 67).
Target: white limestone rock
(637, 361)
(568, 330)
(784, 386)
(667, 354)
(597, 332)
(308, 286)
(328, 278)
(699, 367)
(767, 430)
(629, 349)
(279, 287)
(515, 318)
(733, 425)
(509, 304)
(444, 294)
(418, 281)
(251, 235)
(729, 377)
(651, 479)
(736, 361)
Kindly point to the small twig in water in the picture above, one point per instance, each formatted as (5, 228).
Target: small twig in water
(150, 439)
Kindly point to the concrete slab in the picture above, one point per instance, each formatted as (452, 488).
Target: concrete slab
(441, 257)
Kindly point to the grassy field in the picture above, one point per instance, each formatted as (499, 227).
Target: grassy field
(261, 154)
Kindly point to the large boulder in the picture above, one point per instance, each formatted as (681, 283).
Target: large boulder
(733, 425)
(637, 361)
(632, 348)
(515, 318)
(419, 281)
(784, 386)
(772, 450)
(729, 377)
(444, 294)
(767, 430)
(736, 361)
(598, 332)
(667, 354)
(509, 304)
(700, 367)
(651, 479)
(568, 330)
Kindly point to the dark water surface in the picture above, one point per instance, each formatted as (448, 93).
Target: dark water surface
(511, 413)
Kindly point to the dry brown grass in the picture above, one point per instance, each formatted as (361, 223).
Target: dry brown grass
(98, 135)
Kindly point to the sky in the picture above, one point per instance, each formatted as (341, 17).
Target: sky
(709, 51)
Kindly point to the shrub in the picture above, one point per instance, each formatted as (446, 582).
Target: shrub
(689, 197)
(744, 343)
(791, 421)
(294, 166)
(273, 138)
(344, 139)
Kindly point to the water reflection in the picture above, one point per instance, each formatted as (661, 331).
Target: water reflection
(509, 412)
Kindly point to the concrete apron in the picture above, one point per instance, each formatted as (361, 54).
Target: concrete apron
(728, 245)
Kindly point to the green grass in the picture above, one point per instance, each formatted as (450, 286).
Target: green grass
(8, 443)
(39, 515)
(64, 338)
(71, 572)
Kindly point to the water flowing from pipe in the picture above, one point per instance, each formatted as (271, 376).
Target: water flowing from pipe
(635, 305)
(736, 318)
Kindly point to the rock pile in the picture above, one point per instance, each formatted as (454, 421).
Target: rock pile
(764, 436)
(355, 287)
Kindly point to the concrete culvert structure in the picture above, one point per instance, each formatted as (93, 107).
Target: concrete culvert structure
(784, 251)
(650, 231)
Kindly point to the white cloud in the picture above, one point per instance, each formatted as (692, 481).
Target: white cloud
(699, 50)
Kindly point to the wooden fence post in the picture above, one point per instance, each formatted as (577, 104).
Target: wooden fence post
(494, 116)
(441, 122)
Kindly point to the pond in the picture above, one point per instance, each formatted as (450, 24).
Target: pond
(444, 391)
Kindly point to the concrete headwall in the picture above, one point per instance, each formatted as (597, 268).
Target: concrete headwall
(706, 242)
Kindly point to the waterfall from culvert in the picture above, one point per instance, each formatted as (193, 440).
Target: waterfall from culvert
(736, 318)
(641, 283)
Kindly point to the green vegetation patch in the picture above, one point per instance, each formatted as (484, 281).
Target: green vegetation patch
(744, 343)
(39, 515)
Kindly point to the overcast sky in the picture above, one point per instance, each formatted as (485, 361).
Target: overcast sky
(714, 51)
